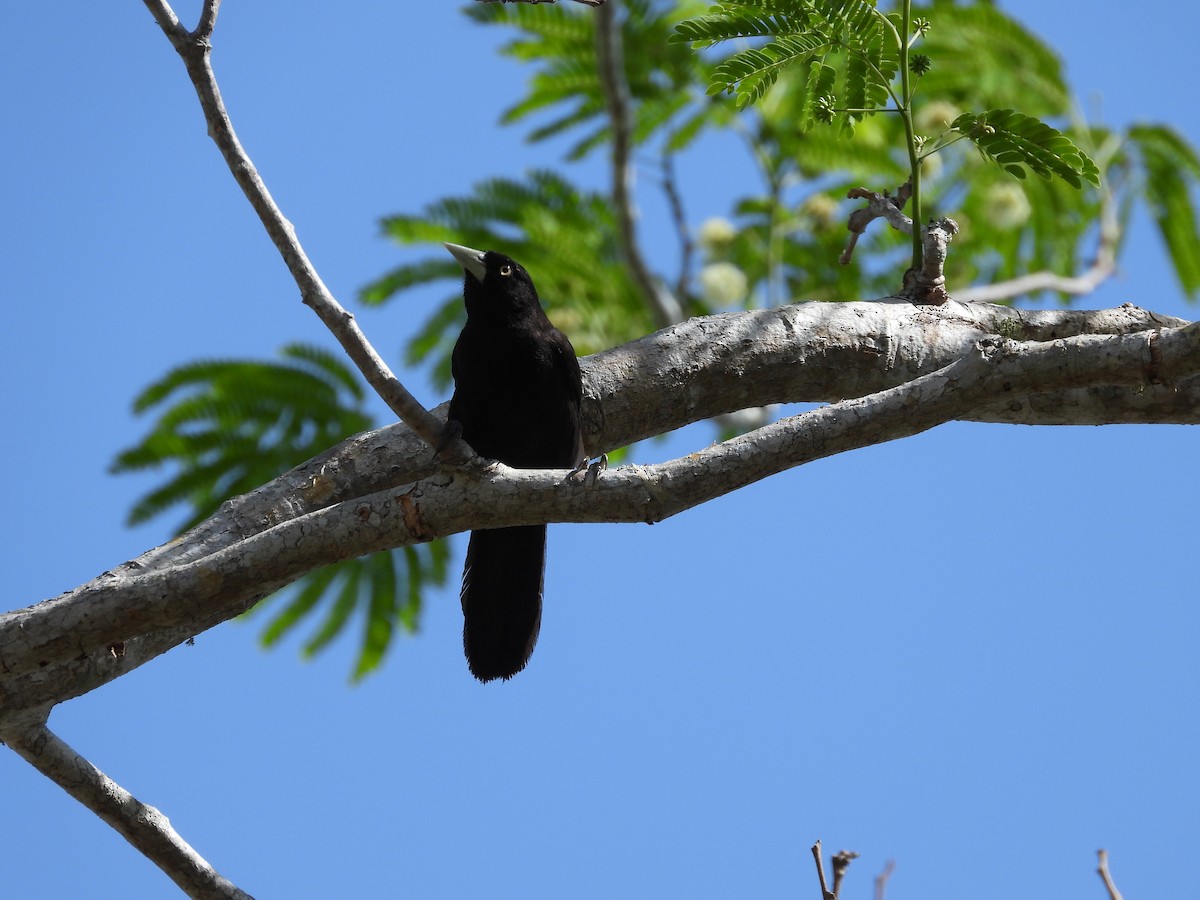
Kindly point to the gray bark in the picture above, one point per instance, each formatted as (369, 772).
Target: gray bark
(910, 368)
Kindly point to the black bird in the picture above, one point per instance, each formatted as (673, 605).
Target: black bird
(517, 391)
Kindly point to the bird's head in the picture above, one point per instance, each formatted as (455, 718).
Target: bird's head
(495, 284)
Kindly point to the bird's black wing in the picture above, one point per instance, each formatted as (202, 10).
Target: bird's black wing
(567, 366)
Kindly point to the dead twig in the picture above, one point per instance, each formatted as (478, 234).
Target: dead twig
(881, 879)
(1106, 876)
(926, 285)
(841, 862)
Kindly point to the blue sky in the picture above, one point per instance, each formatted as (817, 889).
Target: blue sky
(971, 652)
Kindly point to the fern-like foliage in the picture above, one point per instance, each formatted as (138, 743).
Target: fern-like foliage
(560, 40)
(985, 59)
(228, 426)
(847, 52)
(565, 237)
(384, 590)
(1016, 141)
(1170, 174)
(231, 425)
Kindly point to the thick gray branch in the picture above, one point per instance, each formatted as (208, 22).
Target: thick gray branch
(40, 645)
(692, 371)
(142, 825)
(717, 365)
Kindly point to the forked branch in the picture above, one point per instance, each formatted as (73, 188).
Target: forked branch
(926, 285)
(841, 862)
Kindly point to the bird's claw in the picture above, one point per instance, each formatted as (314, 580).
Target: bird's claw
(590, 469)
(448, 446)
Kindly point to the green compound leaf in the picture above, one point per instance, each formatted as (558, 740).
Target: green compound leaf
(843, 35)
(1171, 173)
(1016, 141)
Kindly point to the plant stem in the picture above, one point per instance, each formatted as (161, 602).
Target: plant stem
(910, 136)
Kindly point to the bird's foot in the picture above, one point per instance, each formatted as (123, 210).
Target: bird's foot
(450, 448)
(589, 470)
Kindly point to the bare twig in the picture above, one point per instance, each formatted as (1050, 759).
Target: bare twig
(826, 894)
(926, 285)
(687, 246)
(929, 283)
(878, 206)
(841, 862)
(1106, 876)
(881, 879)
(611, 64)
(143, 826)
(194, 48)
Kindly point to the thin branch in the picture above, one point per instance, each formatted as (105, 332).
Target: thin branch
(879, 205)
(826, 894)
(143, 826)
(841, 863)
(881, 879)
(1101, 269)
(611, 64)
(928, 286)
(687, 246)
(906, 95)
(925, 284)
(194, 48)
(1106, 876)
(208, 20)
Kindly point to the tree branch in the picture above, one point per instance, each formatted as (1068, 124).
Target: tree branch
(826, 893)
(928, 285)
(924, 285)
(1106, 876)
(717, 365)
(692, 371)
(142, 825)
(611, 63)
(194, 49)
(881, 879)
(40, 644)
(686, 246)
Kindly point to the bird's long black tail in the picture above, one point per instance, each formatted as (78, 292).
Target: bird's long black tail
(502, 599)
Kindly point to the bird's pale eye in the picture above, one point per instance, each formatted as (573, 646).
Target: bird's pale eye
(506, 269)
